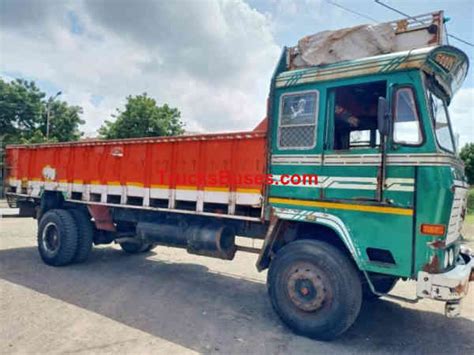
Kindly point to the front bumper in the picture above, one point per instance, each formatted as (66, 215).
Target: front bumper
(449, 286)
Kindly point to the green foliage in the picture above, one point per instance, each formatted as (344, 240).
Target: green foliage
(21, 107)
(37, 137)
(467, 155)
(470, 201)
(64, 121)
(24, 111)
(142, 117)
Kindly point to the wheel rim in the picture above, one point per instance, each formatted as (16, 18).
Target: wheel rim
(306, 287)
(50, 238)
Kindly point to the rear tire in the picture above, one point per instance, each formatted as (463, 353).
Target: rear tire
(85, 232)
(57, 238)
(315, 289)
(136, 248)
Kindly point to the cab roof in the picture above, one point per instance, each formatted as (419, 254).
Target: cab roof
(448, 64)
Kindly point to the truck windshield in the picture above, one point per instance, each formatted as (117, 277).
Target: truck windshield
(441, 122)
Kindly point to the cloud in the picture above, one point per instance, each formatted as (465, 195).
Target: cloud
(219, 42)
(22, 13)
(462, 115)
(211, 59)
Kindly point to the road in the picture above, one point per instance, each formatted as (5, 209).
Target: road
(167, 301)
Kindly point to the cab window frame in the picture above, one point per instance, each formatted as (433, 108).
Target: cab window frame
(315, 119)
(448, 120)
(418, 115)
(330, 130)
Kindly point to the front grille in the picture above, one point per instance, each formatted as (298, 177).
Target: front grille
(457, 211)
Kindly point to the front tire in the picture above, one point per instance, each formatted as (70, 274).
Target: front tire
(57, 238)
(315, 289)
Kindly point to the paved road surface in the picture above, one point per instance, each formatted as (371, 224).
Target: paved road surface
(170, 302)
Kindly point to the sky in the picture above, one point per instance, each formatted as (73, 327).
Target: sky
(211, 59)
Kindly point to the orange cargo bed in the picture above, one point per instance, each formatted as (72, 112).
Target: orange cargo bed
(211, 173)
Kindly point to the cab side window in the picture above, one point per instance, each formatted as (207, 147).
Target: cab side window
(406, 123)
(355, 115)
(298, 119)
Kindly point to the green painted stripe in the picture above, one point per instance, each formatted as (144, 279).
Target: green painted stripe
(341, 68)
(342, 206)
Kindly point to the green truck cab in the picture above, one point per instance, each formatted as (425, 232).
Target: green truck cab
(377, 133)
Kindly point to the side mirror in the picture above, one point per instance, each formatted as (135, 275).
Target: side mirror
(383, 117)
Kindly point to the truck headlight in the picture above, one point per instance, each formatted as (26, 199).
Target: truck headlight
(451, 256)
(446, 260)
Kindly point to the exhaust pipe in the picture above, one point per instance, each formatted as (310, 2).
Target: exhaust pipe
(214, 240)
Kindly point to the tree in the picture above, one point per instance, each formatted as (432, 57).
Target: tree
(37, 137)
(21, 107)
(467, 155)
(64, 121)
(142, 117)
(23, 115)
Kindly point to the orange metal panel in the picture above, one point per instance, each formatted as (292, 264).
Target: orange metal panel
(113, 158)
(94, 164)
(133, 164)
(187, 163)
(12, 163)
(195, 161)
(160, 164)
(217, 161)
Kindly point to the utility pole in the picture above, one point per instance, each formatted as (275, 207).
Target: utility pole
(48, 111)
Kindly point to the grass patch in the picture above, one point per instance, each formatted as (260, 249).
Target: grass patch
(469, 219)
(470, 202)
(468, 228)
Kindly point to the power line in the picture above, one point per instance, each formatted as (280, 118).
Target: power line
(415, 19)
(351, 11)
(398, 11)
(461, 40)
(395, 10)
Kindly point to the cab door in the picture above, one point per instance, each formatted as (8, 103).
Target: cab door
(370, 192)
(355, 164)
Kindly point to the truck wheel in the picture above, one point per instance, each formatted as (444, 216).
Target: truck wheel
(315, 289)
(136, 248)
(57, 237)
(382, 285)
(85, 231)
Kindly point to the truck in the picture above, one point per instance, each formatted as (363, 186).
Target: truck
(351, 183)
